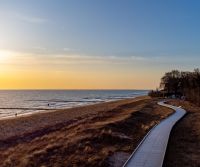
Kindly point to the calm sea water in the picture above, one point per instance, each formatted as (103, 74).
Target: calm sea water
(29, 101)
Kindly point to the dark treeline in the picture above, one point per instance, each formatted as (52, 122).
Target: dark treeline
(180, 84)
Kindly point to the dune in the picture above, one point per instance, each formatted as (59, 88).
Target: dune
(95, 135)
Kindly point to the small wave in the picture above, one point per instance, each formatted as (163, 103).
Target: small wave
(69, 101)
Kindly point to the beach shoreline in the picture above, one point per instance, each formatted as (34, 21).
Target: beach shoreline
(47, 118)
(104, 130)
(41, 111)
(24, 102)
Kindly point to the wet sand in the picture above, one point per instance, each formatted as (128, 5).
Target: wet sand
(97, 135)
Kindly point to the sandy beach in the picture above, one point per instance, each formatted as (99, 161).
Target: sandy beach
(103, 134)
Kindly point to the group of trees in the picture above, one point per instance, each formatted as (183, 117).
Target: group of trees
(181, 83)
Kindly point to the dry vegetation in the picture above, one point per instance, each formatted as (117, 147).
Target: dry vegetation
(104, 135)
(184, 144)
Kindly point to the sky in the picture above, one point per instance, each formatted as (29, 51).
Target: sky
(101, 44)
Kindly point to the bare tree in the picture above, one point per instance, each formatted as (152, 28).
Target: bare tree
(181, 83)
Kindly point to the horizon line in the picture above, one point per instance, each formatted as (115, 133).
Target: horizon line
(73, 89)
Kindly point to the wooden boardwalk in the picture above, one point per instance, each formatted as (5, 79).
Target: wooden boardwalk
(151, 151)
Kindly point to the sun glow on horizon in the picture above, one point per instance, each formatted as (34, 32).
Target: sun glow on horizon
(22, 70)
(4, 56)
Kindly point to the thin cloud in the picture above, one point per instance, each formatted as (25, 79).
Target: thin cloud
(39, 48)
(139, 58)
(24, 58)
(30, 19)
(67, 49)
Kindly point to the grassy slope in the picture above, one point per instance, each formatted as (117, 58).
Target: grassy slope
(103, 138)
(184, 144)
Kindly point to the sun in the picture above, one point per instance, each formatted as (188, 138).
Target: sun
(4, 56)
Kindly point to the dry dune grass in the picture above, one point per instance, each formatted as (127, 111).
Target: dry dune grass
(184, 143)
(96, 139)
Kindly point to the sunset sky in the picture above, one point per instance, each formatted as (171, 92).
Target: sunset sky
(90, 44)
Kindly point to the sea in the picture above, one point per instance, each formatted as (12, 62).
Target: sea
(22, 102)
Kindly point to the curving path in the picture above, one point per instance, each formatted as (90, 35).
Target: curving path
(151, 151)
